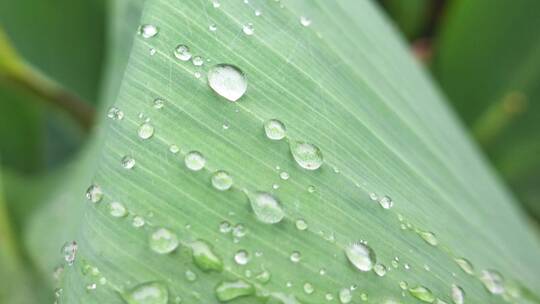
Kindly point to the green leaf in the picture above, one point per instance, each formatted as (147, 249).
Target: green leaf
(343, 85)
(494, 82)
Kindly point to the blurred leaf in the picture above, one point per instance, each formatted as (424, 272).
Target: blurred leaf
(411, 16)
(345, 84)
(493, 81)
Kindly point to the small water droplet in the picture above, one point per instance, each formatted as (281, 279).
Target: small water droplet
(322, 271)
(91, 287)
(284, 175)
(225, 227)
(429, 237)
(138, 221)
(117, 209)
(248, 29)
(115, 113)
(258, 13)
(386, 202)
(345, 295)
(222, 180)
(194, 161)
(227, 81)
(275, 129)
(239, 231)
(152, 51)
(228, 291)
(403, 285)
(306, 155)
(190, 275)
(197, 61)
(205, 258)
(379, 269)
(305, 21)
(308, 288)
(159, 103)
(174, 149)
(458, 295)
(295, 257)
(182, 52)
(422, 293)
(301, 225)
(493, 281)
(373, 196)
(216, 4)
(465, 265)
(311, 189)
(212, 27)
(329, 297)
(94, 194)
(145, 131)
(148, 31)
(147, 293)
(128, 162)
(241, 257)
(361, 256)
(69, 251)
(163, 241)
(266, 208)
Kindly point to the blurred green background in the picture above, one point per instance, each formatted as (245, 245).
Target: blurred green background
(483, 54)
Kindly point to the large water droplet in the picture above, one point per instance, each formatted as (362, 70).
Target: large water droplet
(275, 129)
(94, 193)
(205, 258)
(422, 293)
(222, 180)
(493, 281)
(148, 31)
(227, 291)
(163, 241)
(429, 237)
(145, 131)
(148, 293)
(69, 251)
(458, 295)
(266, 207)
(465, 265)
(227, 81)
(194, 161)
(361, 256)
(117, 209)
(182, 52)
(306, 155)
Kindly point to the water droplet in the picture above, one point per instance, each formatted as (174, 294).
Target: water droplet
(373, 196)
(403, 285)
(248, 29)
(322, 271)
(458, 295)
(145, 131)
(182, 52)
(284, 175)
(148, 31)
(465, 265)
(422, 293)
(115, 113)
(174, 149)
(258, 13)
(301, 225)
(163, 241)
(345, 295)
(91, 287)
(263, 277)
(225, 227)
(117, 209)
(305, 21)
(227, 81)
(194, 161)
(212, 27)
(69, 251)
(147, 293)
(329, 296)
(152, 51)
(128, 162)
(239, 231)
(311, 189)
(429, 237)
(94, 193)
(138, 221)
(216, 4)
(222, 180)
(308, 288)
(295, 257)
(266, 207)
(241, 257)
(361, 256)
(379, 269)
(227, 291)
(386, 202)
(190, 275)
(159, 103)
(493, 281)
(197, 61)
(306, 155)
(274, 129)
(205, 258)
